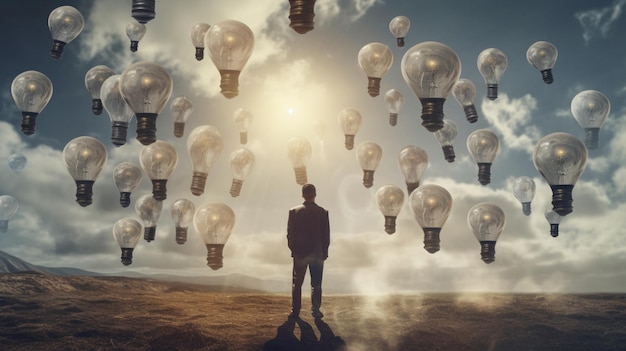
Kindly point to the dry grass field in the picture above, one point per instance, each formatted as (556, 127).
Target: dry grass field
(47, 312)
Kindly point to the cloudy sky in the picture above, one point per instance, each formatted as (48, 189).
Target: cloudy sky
(296, 85)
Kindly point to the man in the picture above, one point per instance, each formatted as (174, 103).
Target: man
(308, 237)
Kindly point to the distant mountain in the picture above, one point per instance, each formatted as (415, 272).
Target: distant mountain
(12, 264)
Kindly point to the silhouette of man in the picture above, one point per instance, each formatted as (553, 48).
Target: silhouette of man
(308, 237)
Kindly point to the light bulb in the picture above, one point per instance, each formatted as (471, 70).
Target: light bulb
(492, 64)
(487, 221)
(375, 60)
(590, 109)
(17, 162)
(524, 191)
(369, 154)
(204, 145)
(127, 233)
(390, 199)
(143, 10)
(31, 92)
(350, 122)
(149, 210)
(84, 158)
(198, 31)
(299, 151)
(182, 212)
(413, 161)
(93, 82)
(445, 136)
(464, 91)
(554, 219)
(431, 205)
(542, 55)
(399, 27)
(230, 45)
(158, 160)
(394, 101)
(119, 111)
(146, 87)
(242, 163)
(431, 69)
(65, 24)
(242, 118)
(180, 108)
(301, 14)
(214, 223)
(8, 208)
(483, 146)
(560, 158)
(135, 32)
(127, 177)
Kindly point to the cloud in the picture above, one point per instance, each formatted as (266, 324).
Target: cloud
(599, 21)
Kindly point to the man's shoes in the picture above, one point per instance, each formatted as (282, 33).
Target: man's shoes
(317, 314)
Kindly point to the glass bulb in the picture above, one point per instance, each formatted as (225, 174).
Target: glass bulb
(242, 118)
(350, 122)
(394, 101)
(146, 87)
(483, 146)
(127, 177)
(301, 15)
(445, 136)
(158, 160)
(487, 222)
(119, 111)
(560, 158)
(8, 208)
(590, 108)
(542, 55)
(65, 24)
(84, 158)
(431, 205)
(375, 60)
(198, 31)
(464, 91)
(93, 82)
(149, 210)
(299, 151)
(135, 32)
(554, 219)
(180, 108)
(524, 191)
(31, 92)
(17, 162)
(204, 145)
(431, 69)
(413, 161)
(182, 212)
(127, 233)
(492, 64)
(369, 154)
(399, 27)
(242, 163)
(390, 199)
(230, 45)
(143, 10)
(214, 223)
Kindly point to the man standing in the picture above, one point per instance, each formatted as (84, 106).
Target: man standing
(308, 237)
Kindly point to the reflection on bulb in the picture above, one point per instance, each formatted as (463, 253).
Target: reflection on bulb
(483, 146)
(350, 122)
(487, 222)
(431, 206)
(158, 160)
(554, 219)
(492, 64)
(182, 212)
(242, 118)
(135, 32)
(301, 14)
(524, 191)
(17, 162)
(542, 55)
(31, 92)
(394, 101)
(119, 111)
(369, 154)
(180, 108)
(399, 27)
(84, 158)
(8, 208)
(590, 109)
(198, 31)
(214, 223)
(242, 163)
(204, 145)
(149, 210)
(299, 151)
(65, 24)
(413, 161)
(390, 199)
(127, 233)
(143, 10)
(375, 60)
(93, 82)
(464, 91)
(445, 136)
(127, 177)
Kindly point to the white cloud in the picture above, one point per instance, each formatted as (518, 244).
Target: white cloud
(599, 21)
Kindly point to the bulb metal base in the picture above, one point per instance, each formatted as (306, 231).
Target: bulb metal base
(390, 224)
(432, 113)
(591, 138)
(488, 251)
(57, 49)
(125, 198)
(143, 10)
(84, 192)
(198, 183)
(181, 235)
(546, 74)
(349, 141)
(301, 15)
(412, 186)
(448, 153)
(28, 122)
(229, 83)
(127, 256)
(149, 233)
(492, 91)
(235, 187)
(134, 45)
(243, 138)
(554, 230)
(119, 131)
(400, 42)
(431, 239)
(484, 173)
(393, 119)
(373, 86)
(470, 113)
(4, 226)
(159, 189)
(199, 54)
(368, 178)
(96, 106)
(214, 257)
(146, 127)
(301, 176)
(562, 199)
(526, 208)
(179, 129)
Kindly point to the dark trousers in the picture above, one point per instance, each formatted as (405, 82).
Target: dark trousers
(316, 269)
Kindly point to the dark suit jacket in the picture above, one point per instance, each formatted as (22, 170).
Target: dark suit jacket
(308, 231)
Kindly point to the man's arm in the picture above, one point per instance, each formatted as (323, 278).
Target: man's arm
(326, 234)
(291, 230)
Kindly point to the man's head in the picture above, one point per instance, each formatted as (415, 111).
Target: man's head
(308, 191)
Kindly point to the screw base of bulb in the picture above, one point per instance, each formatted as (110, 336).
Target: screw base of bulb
(84, 192)
(432, 113)
(470, 113)
(243, 138)
(301, 176)
(448, 153)
(181, 235)
(127, 256)
(119, 131)
(393, 119)
(179, 129)
(235, 187)
(546, 74)
(198, 183)
(28, 122)
(149, 233)
(214, 257)
(125, 198)
(554, 230)
(373, 86)
(134, 45)
(526, 208)
(349, 141)
(431, 239)
(4, 226)
(488, 251)
(199, 54)
(412, 186)
(400, 42)
(301, 15)
(562, 199)
(229, 83)
(492, 91)
(591, 138)
(57, 49)
(146, 127)
(143, 10)
(368, 178)
(484, 173)
(96, 106)
(390, 224)
(159, 189)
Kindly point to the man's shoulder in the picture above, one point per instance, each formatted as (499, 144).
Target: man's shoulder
(297, 208)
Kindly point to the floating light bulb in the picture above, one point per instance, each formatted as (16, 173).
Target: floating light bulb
(135, 32)
(375, 60)
(399, 27)
(350, 122)
(524, 191)
(146, 87)
(149, 210)
(158, 160)
(242, 118)
(65, 24)
(394, 101)
(127, 177)
(542, 55)
(390, 199)
(127, 233)
(84, 158)
(182, 212)
(431, 205)
(299, 151)
(214, 223)
(554, 219)
(230, 45)
(93, 82)
(301, 15)
(143, 10)
(487, 222)
(180, 108)
(17, 162)
(242, 163)
(119, 111)
(431, 69)
(560, 158)
(198, 31)
(369, 154)
(445, 136)
(31, 92)
(8, 208)
(413, 161)
(590, 109)
(492, 64)
(464, 91)
(483, 146)
(204, 145)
